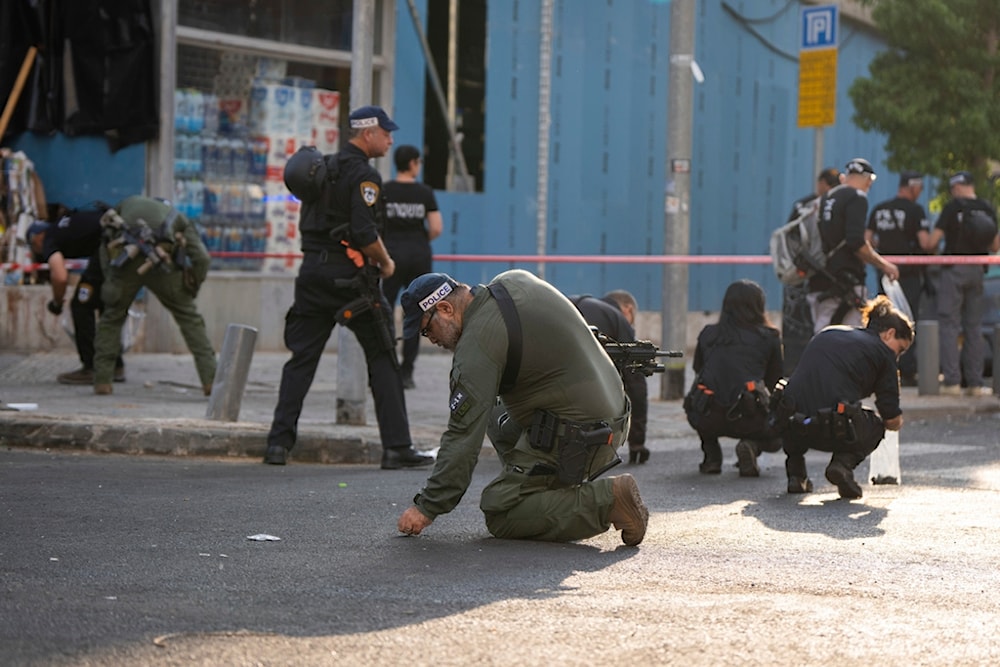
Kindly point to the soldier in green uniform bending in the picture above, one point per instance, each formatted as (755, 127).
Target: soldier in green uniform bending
(560, 417)
(146, 242)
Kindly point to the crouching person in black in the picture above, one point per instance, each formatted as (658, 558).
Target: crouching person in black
(821, 407)
(735, 363)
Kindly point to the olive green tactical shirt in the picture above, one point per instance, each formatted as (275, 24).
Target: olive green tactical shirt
(563, 369)
(154, 211)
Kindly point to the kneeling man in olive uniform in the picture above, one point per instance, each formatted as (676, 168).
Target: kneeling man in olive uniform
(529, 373)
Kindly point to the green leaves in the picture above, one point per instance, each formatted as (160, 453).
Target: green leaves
(935, 91)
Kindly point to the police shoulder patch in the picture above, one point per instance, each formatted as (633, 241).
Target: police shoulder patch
(369, 192)
(459, 402)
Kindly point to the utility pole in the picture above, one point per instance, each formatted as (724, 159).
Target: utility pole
(352, 369)
(676, 236)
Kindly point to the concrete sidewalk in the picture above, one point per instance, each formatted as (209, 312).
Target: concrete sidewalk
(160, 410)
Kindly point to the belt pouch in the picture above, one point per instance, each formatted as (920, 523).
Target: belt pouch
(543, 432)
(572, 459)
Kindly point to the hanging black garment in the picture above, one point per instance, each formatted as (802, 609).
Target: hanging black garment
(110, 79)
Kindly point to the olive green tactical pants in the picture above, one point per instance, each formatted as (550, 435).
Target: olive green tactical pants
(537, 507)
(119, 291)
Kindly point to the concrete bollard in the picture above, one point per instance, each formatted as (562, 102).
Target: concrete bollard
(352, 378)
(231, 374)
(928, 358)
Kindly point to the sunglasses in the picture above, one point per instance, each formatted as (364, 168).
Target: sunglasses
(426, 328)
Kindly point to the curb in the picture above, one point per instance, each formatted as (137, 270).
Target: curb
(178, 437)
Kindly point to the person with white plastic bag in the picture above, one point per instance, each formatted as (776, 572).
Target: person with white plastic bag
(820, 407)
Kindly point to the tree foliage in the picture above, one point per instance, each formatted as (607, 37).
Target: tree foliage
(935, 91)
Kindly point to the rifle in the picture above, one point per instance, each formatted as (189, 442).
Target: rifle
(139, 238)
(638, 356)
(366, 282)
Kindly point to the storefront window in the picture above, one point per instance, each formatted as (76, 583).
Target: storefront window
(237, 119)
(320, 23)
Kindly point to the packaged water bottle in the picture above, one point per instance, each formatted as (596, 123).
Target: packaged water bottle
(196, 198)
(224, 164)
(180, 155)
(241, 159)
(209, 156)
(196, 119)
(182, 109)
(211, 113)
(195, 165)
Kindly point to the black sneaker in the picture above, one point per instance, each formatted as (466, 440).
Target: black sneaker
(746, 459)
(799, 485)
(119, 374)
(404, 457)
(408, 382)
(841, 476)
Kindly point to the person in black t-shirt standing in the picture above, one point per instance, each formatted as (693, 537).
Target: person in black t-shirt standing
(899, 226)
(408, 204)
(969, 227)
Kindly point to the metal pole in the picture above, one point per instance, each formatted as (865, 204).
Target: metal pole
(996, 359)
(352, 369)
(452, 81)
(818, 164)
(928, 361)
(544, 125)
(231, 376)
(677, 218)
(456, 150)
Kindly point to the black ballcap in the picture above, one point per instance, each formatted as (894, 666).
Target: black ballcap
(909, 177)
(961, 178)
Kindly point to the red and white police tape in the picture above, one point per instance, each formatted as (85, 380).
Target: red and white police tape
(578, 259)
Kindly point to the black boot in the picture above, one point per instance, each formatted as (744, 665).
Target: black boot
(712, 463)
(275, 455)
(404, 457)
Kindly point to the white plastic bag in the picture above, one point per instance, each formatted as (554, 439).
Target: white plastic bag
(883, 464)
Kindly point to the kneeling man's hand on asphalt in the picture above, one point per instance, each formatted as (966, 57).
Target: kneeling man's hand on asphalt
(413, 521)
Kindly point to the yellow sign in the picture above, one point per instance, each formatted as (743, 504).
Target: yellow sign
(817, 87)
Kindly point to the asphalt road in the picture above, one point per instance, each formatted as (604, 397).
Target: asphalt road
(127, 560)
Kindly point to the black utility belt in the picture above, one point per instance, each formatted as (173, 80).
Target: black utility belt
(334, 255)
(836, 422)
(573, 441)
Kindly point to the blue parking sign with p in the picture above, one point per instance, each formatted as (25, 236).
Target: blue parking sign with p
(819, 27)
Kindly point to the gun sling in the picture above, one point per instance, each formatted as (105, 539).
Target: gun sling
(515, 338)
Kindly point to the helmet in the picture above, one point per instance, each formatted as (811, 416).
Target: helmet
(305, 172)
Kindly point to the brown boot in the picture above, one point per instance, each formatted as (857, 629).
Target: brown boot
(102, 389)
(207, 389)
(79, 376)
(628, 514)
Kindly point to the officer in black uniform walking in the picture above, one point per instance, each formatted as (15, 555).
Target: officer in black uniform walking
(821, 406)
(341, 206)
(76, 235)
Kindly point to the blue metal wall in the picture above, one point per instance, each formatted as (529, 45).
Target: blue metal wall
(607, 143)
(607, 140)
